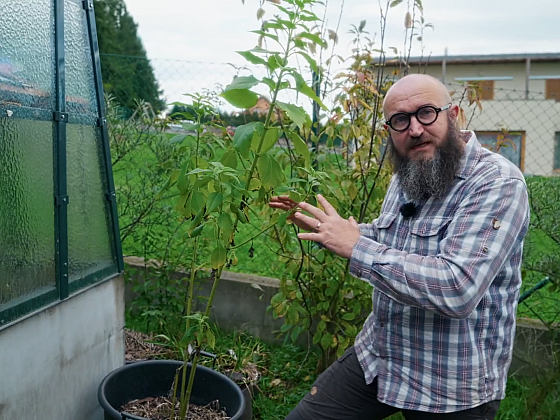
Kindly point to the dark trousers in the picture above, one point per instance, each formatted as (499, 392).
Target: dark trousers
(341, 393)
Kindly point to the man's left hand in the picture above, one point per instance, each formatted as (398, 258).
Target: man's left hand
(332, 231)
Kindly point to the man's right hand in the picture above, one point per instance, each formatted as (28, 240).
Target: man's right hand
(285, 203)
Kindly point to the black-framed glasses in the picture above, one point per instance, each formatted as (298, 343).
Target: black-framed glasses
(425, 115)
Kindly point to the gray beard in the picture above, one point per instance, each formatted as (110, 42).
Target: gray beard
(425, 178)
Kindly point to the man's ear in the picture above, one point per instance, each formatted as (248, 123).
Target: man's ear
(454, 111)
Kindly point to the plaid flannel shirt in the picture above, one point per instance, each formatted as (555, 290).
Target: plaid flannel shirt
(446, 285)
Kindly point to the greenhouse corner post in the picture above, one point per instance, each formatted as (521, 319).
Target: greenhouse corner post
(102, 124)
(61, 192)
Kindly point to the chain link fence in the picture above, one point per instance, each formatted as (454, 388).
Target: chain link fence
(523, 126)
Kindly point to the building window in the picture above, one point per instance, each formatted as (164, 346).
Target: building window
(510, 145)
(552, 89)
(556, 164)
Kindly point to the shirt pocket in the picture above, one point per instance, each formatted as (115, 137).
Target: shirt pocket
(386, 226)
(426, 234)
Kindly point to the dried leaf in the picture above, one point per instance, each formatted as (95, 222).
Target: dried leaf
(275, 382)
(256, 286)
(408, 20)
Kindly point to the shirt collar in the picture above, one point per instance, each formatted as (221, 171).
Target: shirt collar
(471, 156)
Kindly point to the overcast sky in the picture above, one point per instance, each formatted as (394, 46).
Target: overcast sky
(212, 30)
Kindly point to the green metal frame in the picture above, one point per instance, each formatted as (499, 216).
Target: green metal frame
(61, 186)
(45, 296)
(102, 123)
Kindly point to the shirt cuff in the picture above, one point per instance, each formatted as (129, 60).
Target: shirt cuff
(366, 252)
(366, 230)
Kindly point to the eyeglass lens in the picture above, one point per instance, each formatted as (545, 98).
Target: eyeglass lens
(425, 115)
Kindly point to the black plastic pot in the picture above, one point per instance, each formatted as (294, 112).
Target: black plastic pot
(154, 378)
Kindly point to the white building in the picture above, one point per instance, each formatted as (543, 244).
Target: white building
(520, 99)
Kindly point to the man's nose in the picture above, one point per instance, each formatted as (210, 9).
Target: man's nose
(415, 129)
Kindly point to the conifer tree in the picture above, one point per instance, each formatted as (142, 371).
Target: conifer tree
(126, 71)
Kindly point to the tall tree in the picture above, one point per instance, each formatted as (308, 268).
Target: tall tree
(127, 73)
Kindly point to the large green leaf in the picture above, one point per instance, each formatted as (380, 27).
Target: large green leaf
(261, 50)
(270, 171)
(229, 159)
(251, 58)
(296, 113)
(269, 82)
(225, 224)
(197, 219)
(317, 337)
(270, 139)
(218, 257)
(300, 146)
(243, 136)
(177, 139)
(240, 98)
(326, 340)
(304, 88)
(266, 35)
(274, 62)
(308, 17)
(183, 183)
(214, 201)
(184, 205)
(191, 127)
(242, 82)
(313, 38)
(286, 23)
(196, 231)
(312, 63)
(274, 25)
(201, 182)
(198, 200)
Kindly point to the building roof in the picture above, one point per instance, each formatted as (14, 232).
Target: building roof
(480, 59)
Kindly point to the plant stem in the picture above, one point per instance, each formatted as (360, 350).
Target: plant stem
(192, 277)
(185, 397)
(271, 109)
(185, 402)
(254, 237)
(217, 277)
(174, 400)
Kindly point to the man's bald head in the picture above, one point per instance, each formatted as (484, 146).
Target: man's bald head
(412, 85)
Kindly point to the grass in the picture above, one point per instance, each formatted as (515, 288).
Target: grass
(162, 236)
(288, 371)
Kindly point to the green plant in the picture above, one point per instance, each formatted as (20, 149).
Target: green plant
(542, 261)
(123, 55)
(321, 297)
(216, 196)
(142, 156)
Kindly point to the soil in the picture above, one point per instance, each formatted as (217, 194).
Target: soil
(139, 347)
(160, 408)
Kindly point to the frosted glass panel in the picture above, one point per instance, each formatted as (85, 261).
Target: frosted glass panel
(27, 249)
(80, 86)
(89, 237)
(27, 58)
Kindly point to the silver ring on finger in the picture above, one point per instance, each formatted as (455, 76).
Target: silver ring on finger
(318, 226)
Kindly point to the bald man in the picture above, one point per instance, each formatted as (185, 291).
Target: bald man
(444, 258)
